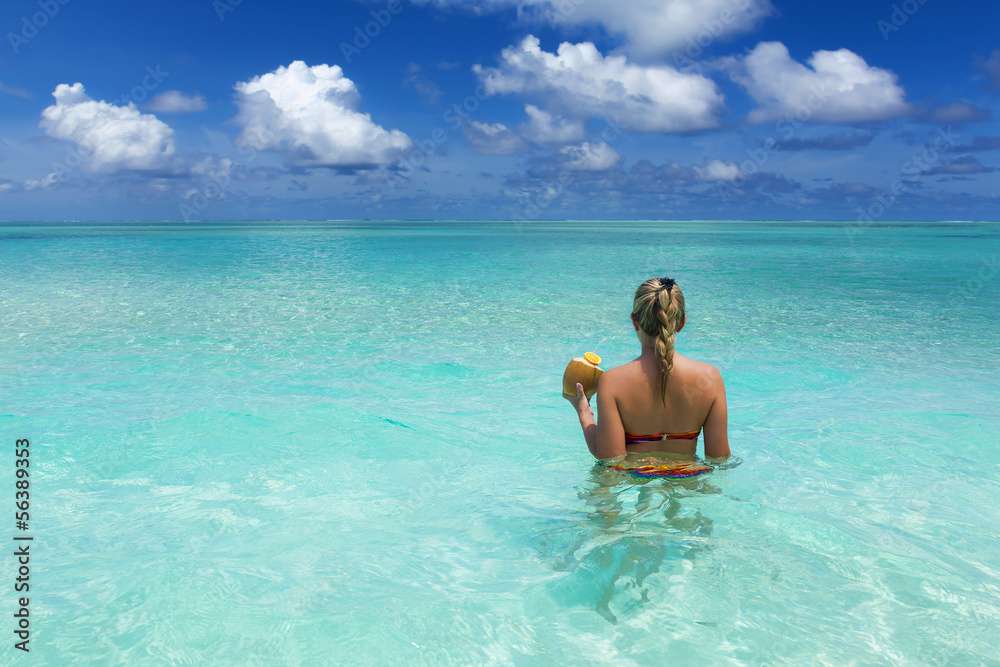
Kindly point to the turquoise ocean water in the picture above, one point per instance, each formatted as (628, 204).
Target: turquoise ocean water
(344, 443)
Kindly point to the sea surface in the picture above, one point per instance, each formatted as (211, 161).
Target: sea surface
(344, 443)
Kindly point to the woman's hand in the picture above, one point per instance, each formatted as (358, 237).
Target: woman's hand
(580, 402)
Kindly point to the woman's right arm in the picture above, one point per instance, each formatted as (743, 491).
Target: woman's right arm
(716, 424)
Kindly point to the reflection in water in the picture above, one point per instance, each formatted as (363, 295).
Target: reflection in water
(610, 552)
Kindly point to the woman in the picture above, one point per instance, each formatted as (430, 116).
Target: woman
(660, 393)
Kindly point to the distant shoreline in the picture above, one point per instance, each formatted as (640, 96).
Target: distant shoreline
(200, 223)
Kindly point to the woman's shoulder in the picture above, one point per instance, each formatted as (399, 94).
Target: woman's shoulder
(625, 372)
(699, 369)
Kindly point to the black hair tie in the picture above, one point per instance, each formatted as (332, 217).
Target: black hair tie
(668, 283)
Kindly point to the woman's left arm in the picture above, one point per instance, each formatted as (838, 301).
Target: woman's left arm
(607, 440)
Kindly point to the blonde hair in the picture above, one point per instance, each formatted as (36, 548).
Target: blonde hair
(659, 308)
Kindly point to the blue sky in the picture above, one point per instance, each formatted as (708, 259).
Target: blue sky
(499, 109)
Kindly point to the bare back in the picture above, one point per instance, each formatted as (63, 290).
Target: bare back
(631, 402)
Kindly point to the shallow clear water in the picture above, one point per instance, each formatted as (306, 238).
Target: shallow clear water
(344, 443)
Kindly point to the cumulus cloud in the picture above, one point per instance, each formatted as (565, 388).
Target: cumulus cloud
(836, 87)
(648, 27)
(113, 138)
(718, 170)
(597, 156)
(657, 27)
(174, 101)
(544, 128)
(578, 81)
(541, 129)
(493, 138)
(310, 114)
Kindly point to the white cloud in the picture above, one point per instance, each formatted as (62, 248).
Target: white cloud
(578, 81)
(588, 156)
(541, 128)
(718, 170)
(174, 101)
(648, 27)
(657, 27)
(837, 87)
(311, 115)
(544, 128)
(493, 138)
(112, 138)
(42, 183)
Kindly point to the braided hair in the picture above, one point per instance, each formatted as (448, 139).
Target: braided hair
(659, 308)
